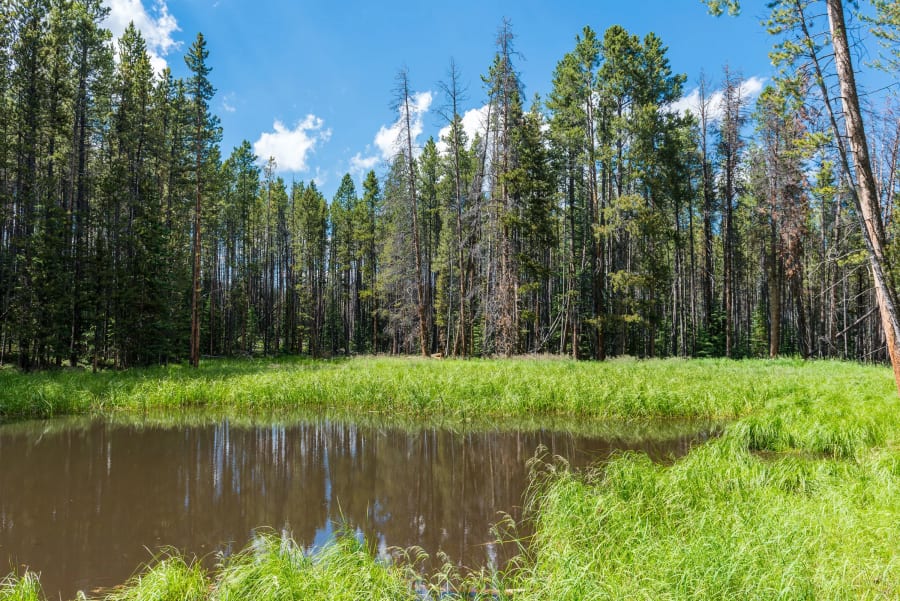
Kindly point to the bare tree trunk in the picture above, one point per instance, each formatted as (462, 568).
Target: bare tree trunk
(195, 296)
(598, 266)
(708, 274)
(866, 193)
(773, 284)
(411, 170)
(730, 144)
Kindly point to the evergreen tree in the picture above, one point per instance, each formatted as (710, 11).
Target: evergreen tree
(204, 136)
(368, 213)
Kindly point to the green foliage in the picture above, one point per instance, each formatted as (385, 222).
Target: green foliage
(886, 27)
(711, 339)
(570, 228)
(759, 333)
(718, 7)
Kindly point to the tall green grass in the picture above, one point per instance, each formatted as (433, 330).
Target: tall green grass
(799, 498)
(24, 588)
(275, 568)
(720, 524)
(169, 578)
(815, 515)
(456, 389)
(271, 568)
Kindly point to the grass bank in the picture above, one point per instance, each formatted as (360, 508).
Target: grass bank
(457, 389)
(271, 569)
(798, 499)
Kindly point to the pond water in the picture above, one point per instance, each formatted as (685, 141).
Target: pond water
(85, 501)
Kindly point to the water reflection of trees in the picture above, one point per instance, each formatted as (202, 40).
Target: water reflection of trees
(83, 504)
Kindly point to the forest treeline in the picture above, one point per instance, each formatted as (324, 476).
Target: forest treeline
(594, 222)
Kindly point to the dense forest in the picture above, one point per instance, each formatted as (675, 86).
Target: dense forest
(596, 221)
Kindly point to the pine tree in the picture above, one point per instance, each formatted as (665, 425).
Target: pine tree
(531, 184)
(403, 104)
(501, 310)
(205, 135)
(368, 212)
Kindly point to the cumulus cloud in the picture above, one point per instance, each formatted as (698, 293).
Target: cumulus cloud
(473, 122)
(320, 178)
(291, 147)
(156, 25)
(750, 89)
(228, 102)
(388, 140)
(360, 164)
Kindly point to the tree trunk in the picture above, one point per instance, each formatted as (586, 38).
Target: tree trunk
(866, 191)
(774, 288)
(195, 296)
(411, 169)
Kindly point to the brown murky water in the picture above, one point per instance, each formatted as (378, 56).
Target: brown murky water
(85, 502)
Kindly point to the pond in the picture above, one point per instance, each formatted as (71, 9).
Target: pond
(85, 501)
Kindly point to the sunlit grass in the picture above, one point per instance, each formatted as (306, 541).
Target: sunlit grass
(453, 389)
(275, 568)
(25, 588)
(816, 516)
(799, 498)
(169, 578)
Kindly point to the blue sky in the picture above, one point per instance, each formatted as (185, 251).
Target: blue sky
(311, 82)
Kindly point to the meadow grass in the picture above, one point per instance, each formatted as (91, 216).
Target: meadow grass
(276, 568)
(799, 498)
(24, 588)
(168, 578)
(457, 389)
(721, 523)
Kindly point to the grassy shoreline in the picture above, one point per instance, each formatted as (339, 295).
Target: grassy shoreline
(622, 388)
(798, 499)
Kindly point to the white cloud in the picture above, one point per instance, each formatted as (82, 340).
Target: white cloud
(388, 137)
(473, 122)
(157, 26)
(360, 164)
(320, 178)
(290, 147)
(750, 88)
(753, 86)
(228, 102)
